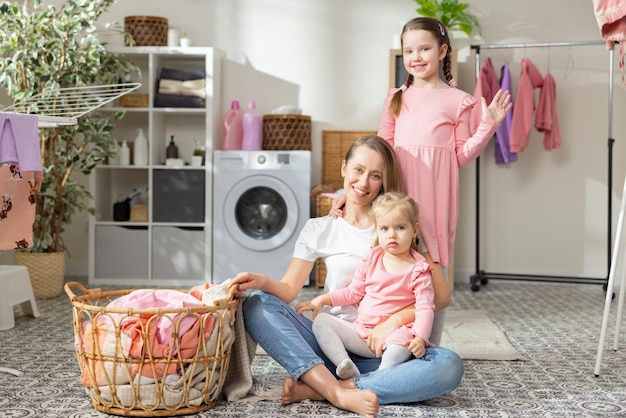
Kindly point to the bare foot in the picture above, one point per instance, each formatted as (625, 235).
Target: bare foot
(363, 402)
(298, 391)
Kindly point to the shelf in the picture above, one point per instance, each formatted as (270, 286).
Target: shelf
(175, 245)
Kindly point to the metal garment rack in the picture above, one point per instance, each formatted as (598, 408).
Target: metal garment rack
(64, 106)
(481, 277)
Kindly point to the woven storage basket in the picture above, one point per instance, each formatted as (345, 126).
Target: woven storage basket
(134, 100)
(46, 271)
(147, 30)
(286, 132)
(138, 213)
(121, 381)
(335, 144)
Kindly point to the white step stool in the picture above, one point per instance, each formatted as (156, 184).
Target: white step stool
(15, 289)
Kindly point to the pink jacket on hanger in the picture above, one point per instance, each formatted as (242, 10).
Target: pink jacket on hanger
(524, 106)
(486, 86)
(546, 119)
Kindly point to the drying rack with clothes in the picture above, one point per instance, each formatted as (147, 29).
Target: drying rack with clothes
(481, 277)
(20, 158)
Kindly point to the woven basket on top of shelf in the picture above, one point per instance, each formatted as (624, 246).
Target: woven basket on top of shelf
(335, 144)
(287, 132)
(147, 30)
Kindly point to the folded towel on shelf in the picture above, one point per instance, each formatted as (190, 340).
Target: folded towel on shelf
(182, 75)
(174, 100)
(195, 88)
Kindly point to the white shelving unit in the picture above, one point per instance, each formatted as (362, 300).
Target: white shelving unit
(173, 246)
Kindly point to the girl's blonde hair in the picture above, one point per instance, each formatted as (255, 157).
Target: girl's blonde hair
(389, 201)
(440, 33)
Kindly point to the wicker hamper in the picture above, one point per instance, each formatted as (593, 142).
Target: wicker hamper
(147, 30)
(146, 378)
(286, 132)
(335, 144)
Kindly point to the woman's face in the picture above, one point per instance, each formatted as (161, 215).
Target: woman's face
(362, 176)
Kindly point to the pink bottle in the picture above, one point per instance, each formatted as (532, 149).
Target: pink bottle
(232, 134)
(252, 129)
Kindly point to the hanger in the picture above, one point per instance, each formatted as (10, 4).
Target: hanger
(569, 64)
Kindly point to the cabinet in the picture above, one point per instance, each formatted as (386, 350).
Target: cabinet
(171, 244)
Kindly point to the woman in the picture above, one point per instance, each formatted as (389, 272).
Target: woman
(369, 169)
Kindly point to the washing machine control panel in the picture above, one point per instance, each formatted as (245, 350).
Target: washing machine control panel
(264, 160)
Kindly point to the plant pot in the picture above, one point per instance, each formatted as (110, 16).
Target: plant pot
(46, 271)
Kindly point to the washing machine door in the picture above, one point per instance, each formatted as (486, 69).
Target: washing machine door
(261, 213)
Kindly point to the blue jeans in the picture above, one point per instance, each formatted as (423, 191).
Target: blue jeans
(288, 338)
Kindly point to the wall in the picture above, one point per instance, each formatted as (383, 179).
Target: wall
(544, 214)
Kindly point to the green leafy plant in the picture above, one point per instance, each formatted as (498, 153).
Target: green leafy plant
(451, 13)
(44, 49)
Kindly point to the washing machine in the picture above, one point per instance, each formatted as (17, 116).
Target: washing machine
(260, 204)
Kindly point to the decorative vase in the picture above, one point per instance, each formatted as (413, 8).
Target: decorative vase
(46, 271)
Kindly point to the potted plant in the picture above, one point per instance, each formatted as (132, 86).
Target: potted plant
(43, 48)
(451, 13)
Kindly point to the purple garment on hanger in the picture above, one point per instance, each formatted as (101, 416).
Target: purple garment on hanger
(19, 141)
(503, 133)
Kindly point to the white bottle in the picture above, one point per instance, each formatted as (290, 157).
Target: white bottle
(141, 149)
(124, 154)
(252, 129)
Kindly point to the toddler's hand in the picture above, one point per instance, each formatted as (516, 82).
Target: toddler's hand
(417, 347)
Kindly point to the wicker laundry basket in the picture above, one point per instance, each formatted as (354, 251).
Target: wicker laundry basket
(128, 371)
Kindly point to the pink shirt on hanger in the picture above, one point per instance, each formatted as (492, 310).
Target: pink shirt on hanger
(546, 119)
(524, 106)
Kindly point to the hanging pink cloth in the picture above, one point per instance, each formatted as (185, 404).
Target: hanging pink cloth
(20, 179)
(524, 106)
(487, 86)
(611, 18)
(546, 119)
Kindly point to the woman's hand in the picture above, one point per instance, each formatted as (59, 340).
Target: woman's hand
(417, 347)
(498, 107)
(376, 338)
(247, 280)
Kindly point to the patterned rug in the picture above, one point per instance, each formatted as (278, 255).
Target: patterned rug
(555, 326)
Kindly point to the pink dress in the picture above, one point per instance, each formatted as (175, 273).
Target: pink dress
(432, 140)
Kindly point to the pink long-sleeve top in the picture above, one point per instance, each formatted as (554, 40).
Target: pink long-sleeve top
(382, 293)
(530, 79)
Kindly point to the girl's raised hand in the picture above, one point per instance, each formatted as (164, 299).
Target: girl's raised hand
(498, 107)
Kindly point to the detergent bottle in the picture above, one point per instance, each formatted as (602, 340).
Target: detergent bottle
(232, 135)
(252, 129)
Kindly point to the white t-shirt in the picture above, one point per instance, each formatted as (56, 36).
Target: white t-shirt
(342, 247)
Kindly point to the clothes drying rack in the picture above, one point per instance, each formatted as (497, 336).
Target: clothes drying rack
(481, 277)
(63, 106)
